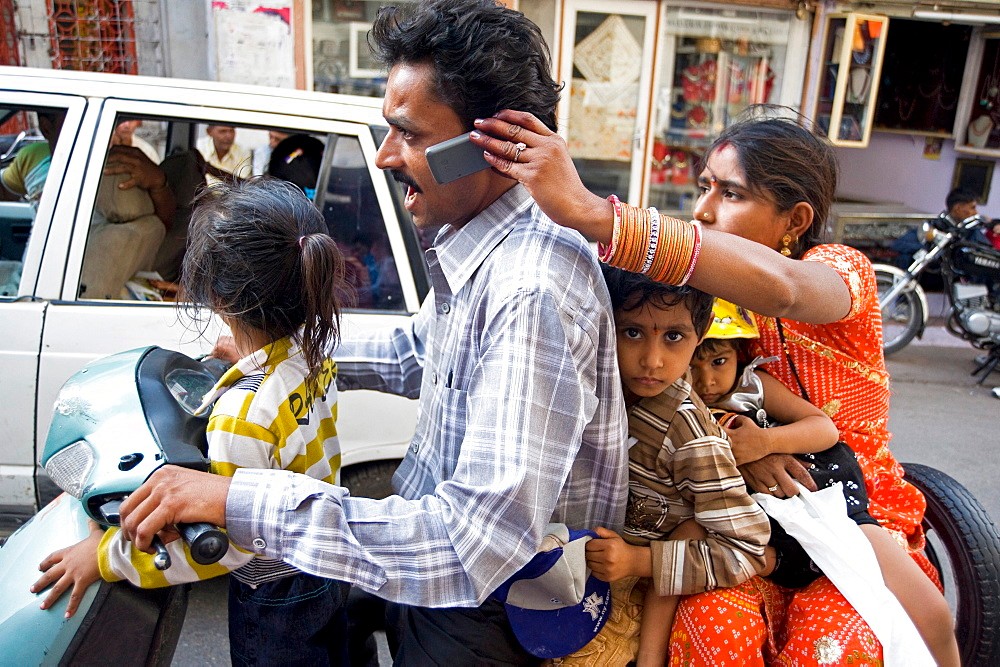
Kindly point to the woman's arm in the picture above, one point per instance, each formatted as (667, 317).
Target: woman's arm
(731, 267)
(805, 428)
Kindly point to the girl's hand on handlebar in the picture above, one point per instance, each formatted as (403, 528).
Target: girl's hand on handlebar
(74, 568)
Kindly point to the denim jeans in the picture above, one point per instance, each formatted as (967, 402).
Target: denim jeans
(298, 620)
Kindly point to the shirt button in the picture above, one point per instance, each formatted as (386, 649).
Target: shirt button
(445, 308)
(414, 448)
(259, 543)
(434, 377)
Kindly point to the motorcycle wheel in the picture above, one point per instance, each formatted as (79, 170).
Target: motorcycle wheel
(963, 544)
(901, 319)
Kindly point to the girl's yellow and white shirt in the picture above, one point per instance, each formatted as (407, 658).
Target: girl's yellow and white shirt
(265, 414)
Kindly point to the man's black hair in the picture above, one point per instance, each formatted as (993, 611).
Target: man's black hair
(297, 159)
(485, 57)
(960, 196)
(630, 291)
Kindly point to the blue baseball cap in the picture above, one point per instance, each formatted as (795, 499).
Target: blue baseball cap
(554, 605)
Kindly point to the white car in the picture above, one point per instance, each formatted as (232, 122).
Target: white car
(69, 293)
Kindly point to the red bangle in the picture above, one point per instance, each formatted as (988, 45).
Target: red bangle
(605, 251)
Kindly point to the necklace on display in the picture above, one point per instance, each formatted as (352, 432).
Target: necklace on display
(979, 131)
(864, 56)
(909, 107)
(857, 85)
(991, 83)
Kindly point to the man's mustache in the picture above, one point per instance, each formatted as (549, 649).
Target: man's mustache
(405, 180)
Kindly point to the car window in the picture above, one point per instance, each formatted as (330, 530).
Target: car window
(355, 221)
(135, 245)
(27, 137)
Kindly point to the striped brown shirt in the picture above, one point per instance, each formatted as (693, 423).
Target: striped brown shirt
(681, 466)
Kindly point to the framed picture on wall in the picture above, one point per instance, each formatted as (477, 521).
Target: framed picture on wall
(360, 63)
(975, 176)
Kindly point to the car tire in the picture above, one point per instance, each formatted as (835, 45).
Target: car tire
(370, 480)
(964, 545)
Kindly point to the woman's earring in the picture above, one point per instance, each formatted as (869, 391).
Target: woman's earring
(786, 241)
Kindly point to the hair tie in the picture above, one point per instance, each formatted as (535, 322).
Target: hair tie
(302, 242)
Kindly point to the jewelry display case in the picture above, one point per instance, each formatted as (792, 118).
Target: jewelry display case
(979, 133)
(849, 79)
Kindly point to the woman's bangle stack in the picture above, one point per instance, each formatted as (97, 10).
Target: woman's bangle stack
(643, 241)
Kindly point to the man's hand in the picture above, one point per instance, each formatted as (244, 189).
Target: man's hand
(170, 496)
(225, 350)
(143, 172)
(781, 470)
(73, 568)
(611, 558)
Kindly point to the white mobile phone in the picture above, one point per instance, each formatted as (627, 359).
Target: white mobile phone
(455, 158)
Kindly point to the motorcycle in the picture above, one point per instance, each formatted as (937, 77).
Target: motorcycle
(115, 422)
(970, 273)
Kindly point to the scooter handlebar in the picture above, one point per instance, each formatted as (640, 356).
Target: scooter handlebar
(208, 544)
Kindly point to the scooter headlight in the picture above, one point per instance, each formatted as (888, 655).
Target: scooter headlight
(71, 466)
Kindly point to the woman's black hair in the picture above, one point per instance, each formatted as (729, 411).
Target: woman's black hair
(258, 252)
(485, 57)
(630, 291)
(787, 162)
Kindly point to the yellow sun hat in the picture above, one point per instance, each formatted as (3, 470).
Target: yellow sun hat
(731, 321)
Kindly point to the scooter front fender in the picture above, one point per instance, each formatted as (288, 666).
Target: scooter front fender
(29, 635)
(115, 623)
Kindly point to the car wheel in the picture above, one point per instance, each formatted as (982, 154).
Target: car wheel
(964, 545)
(370, 480)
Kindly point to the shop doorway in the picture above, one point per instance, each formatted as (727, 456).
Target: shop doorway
(606, 63)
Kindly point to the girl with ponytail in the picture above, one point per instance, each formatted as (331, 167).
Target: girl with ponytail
(258, 256)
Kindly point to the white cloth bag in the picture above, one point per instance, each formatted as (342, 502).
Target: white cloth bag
(819, 521)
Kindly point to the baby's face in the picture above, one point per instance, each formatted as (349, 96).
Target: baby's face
(714, 375)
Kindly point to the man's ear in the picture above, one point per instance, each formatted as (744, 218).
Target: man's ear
(800, 219)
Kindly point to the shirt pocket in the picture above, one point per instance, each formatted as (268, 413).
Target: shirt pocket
(452, 421)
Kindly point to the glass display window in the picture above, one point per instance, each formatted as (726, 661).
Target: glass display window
(982, 121)
(849, 79)
(715, 63)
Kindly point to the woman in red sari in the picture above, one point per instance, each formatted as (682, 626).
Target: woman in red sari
(766, 190)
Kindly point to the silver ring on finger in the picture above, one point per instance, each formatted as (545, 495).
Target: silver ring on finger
(518, 147)
(773, 489)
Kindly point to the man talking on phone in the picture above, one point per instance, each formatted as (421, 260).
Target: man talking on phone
(521, 419)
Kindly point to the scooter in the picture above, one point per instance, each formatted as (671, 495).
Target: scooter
(114, 423)
(970, 270)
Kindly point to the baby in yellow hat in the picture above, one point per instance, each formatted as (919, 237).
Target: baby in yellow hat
(762, 416)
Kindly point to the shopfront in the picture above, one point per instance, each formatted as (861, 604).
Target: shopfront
(649, 83)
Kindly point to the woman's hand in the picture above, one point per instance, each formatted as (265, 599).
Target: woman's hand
(73, 568)
(520, 146)
(781, 470)
(611, 558)
(750, 442)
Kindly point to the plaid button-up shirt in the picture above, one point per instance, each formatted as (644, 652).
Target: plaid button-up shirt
(521, 422)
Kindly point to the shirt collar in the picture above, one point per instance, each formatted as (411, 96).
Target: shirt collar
(261, 360)
(460, 252)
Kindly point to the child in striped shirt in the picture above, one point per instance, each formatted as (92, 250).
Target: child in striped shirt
(258, 256)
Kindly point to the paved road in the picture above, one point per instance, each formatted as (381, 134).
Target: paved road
(939, 417)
